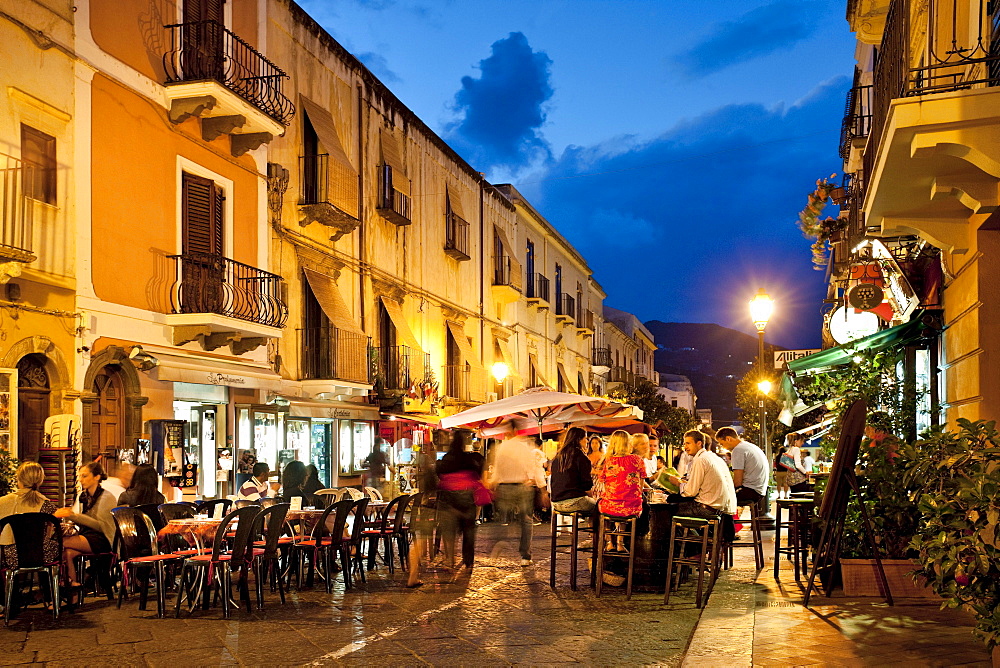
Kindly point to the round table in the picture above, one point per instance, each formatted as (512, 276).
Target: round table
(199, 528)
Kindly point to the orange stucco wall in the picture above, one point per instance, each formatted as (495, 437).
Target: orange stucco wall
(136, 195)
(133, 30)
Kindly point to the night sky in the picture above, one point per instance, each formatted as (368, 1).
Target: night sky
(673, 142)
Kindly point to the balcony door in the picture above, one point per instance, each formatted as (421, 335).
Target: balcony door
(392, 366)
(203, 264)
(317, 350)
(32, 405)
(529, 269)
(203, 36)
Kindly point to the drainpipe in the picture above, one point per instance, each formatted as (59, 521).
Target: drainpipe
(362, 165)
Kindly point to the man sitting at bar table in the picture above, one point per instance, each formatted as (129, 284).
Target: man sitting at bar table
(708, 486)
(256, 487)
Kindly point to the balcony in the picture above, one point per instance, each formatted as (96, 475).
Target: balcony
(565, 308)
(329, 194)
(17, 215)
(221, 301)
(329, 353)
(396, 368)
(538, 290)
(393, 205)
(602, 357)
(506, 279)
(213, 74)
(620, 374)
(930, 160)
(456, 237)
(856, 126)
(584, 321)
(465, 384)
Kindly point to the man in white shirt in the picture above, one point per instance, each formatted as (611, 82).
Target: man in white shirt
(750, 469)
(515, 477)
(649, 459)
(255, 488)
(708, 490)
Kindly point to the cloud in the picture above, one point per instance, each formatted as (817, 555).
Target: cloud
(501, 112)
(378, 65)
(688, 225)
(757, 33)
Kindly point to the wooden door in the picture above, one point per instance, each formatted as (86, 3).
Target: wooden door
(203, 40)
(107, 432)
(33, 405)
(204, 267)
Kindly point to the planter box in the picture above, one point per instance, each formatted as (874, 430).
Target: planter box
(861, 578)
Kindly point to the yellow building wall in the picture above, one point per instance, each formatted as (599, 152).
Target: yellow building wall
(136, 195)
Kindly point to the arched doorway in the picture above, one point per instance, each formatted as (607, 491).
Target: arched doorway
(107, 431)
(33, 405)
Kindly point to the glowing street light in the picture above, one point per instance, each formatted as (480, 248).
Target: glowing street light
(500, 371)
(761, 310)
(764, 387)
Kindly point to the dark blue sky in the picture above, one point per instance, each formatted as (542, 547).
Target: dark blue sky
(673, 142)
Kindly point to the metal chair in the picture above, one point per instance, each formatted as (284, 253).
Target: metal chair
(269, 522)
(32, 531)
(139, 554)
(354, 544)
(391, 529)
(208, 507)
(243, 503)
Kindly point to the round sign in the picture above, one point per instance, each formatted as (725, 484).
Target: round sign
(846, 324)
(865, 296)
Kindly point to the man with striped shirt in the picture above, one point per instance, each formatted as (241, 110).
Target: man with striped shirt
(255, 488)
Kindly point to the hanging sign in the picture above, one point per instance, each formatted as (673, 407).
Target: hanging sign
(783, 357)
(848, 324)
(865, 296)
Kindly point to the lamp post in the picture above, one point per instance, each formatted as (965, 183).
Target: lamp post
(761, 308)
(500, 371)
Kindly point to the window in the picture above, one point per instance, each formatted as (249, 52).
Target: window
(202, 215)
(38, 153)
(559, 282)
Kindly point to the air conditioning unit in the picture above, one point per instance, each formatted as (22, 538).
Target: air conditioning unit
(491, 396)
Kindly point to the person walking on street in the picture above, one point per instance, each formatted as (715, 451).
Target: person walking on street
(459, 472)
(516, 475)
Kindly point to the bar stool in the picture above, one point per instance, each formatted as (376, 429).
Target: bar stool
(602, 535)
(755, 538)
(700, 531)
(796, 525)
(573, 529)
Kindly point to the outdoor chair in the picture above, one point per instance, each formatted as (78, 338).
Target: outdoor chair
(603, 551)
(353, 544)
(705, 536)
(208, 507)
(389, 531)
(32, 532)
(140, 557)
(266, 556)
(573, 529)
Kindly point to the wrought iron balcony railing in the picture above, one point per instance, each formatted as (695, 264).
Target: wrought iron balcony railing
(329, 353)
(538, 287)
(857, 121)
(206, 283)
(456, 237)
(207, 51)
(584, 318)
(602, 356)
(464, 383)
(392, 204)
(566, 306)
(398, 367)
(620, 374)
(16, 216)
(505, 272)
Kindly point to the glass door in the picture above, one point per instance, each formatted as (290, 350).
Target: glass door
(322, 437)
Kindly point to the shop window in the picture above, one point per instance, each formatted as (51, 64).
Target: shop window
(356, 440)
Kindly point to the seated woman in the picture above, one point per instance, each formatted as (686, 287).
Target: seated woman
(621, 473)
(143, 489)
(25, 499)
(571, 474)
(293, 478)
(92, 515)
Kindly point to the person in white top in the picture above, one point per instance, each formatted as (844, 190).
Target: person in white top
(750, 466)
(640, 446)
(515, 477)
(708, 490)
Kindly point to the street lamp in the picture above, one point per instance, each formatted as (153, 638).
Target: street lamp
(761, 308)
(500, 371)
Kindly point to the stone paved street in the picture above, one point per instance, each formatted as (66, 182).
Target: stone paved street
(501, 614)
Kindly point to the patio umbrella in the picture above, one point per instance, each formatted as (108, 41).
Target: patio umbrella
(536, 408)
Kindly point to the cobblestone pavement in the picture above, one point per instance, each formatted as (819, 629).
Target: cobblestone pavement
(500, 614)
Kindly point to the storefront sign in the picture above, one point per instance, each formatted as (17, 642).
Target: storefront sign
(847, 324)
(782, 357)
(223, 379)
(865, 296)
(898, 289)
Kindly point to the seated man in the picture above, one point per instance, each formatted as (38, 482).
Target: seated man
(708, 488)
(256, 487)
(749, 466)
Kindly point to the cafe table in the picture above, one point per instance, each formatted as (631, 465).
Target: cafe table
(201, 529)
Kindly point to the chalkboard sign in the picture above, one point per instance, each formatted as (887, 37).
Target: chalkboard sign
(168, 438)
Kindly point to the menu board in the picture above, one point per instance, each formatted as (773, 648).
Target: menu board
(168, 438)
(8, 411)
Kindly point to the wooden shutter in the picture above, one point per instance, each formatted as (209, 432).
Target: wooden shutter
(204, 10)
(202, 215)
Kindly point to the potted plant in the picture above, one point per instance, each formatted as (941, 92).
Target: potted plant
(957, 541)
(8, 471)
(821, 231)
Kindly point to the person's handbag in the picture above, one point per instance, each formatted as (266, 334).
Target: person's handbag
(482, 495)
(787, 462)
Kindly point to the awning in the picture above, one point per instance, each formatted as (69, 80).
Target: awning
(509, 360)
(570, 386)
(533, 361)
(899, 335)
(205, 370)
(455, 202)
(326, 131)
(392, 156)
(404, 335)
(464, 347)
(342, 410)
(332, 302)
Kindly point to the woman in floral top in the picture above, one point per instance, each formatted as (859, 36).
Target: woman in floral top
(622, 474)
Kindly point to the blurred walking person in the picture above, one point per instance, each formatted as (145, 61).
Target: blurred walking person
(516, 475)
(459, 473)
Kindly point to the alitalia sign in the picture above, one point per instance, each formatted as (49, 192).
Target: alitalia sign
(783, 357)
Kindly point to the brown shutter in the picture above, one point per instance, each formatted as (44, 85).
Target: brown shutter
(392, 155)
(203, 206)
(204, 10)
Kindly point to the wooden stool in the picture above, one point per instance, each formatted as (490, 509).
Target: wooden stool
(755, 538)
(796, 526)
(573, 530)
(699, 531)
(602, 551)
